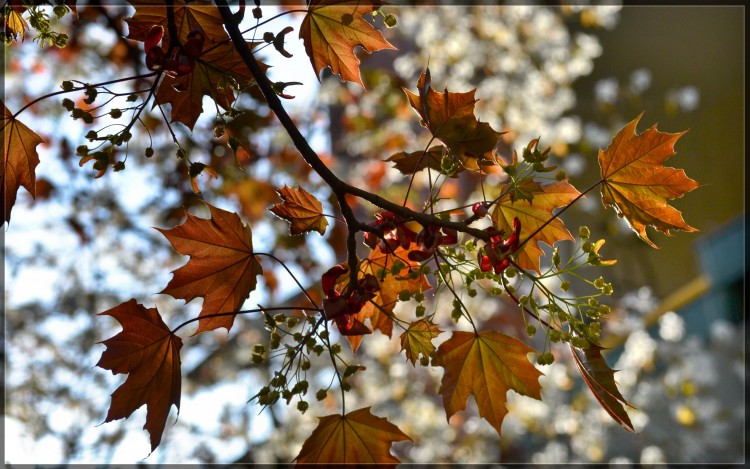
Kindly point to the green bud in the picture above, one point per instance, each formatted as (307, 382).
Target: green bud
(77, 113)
(593, 302)
(346, 386)
(404, 295)
(471, 292)
(424, 360)
(302, 406)
(390, 21)
(149, 152)
(132, 98)
(297, 337)
(82, 150)
(292, 321)
(67, 85)
(119, 166)
(564, 285)
(115, 113)
(305, 365)
(318, 349)
(321, 394)
(531, 330)
(587, 246)
(335, 349)
(599, 283)
(61, 40)
(88, 118)
(91, 135)
(561, 175)
(554, 335)
(584, 232)
(268, 37)
(420, 310)
(181, 153)
(257, 13)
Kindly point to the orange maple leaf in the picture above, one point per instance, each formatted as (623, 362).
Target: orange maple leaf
(637, 184)
(355, 438)
(380, 308)
(150, 354)
(485, 365)
(533, 215)
(450, 118)
(19, 159)
(302, 209)
(221, 269)
(216, 69)
(417, 339)
(600, 378)
(333, 28)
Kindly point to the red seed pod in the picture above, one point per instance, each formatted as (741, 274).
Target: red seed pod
(194, 45)
(153, 37)
(154, 59)
(480, 209)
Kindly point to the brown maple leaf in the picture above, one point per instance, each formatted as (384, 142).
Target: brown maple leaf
(417, 340)
(600, 378)
(302, 209)
(450, 118)
(333, 28)
(222, 268)
(355, 438)
(19, 159)
(218, 68)
(533, 215)
(379, 309)
(637, 184)
(485, 365)
(149, 353)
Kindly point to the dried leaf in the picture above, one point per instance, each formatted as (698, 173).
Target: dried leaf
(19, 159)
(333, 28)
(485, 365)
(600, 378)
(637, 184)
(150, 354)
(355, 438)
(222, 268)
(532, 216)
(302, 209)
(450, 118)
(417, 340)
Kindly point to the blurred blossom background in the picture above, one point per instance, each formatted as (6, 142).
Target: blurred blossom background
(571, 75)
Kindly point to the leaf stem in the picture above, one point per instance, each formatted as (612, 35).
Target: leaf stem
(80, 88)
(247, 311)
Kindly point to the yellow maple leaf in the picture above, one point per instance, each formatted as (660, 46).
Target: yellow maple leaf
(485, 365)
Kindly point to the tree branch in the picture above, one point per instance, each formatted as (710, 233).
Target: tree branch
(339, 187)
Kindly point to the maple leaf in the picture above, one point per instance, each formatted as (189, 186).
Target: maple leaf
(410, 163)
(450, 118)
(302, 209)
(532, 216)
(333, 28)
(19, 159)
(637, 184)
(150, 354)
(222, 268)
(485, 365)
(13, 23)
(218, 68)
(417, 339)
(379, 310)
(600, 378)
(357, 437)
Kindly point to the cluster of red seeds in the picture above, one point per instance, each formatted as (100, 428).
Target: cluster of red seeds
(494, 255)
(342, 308)
(179, 60)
